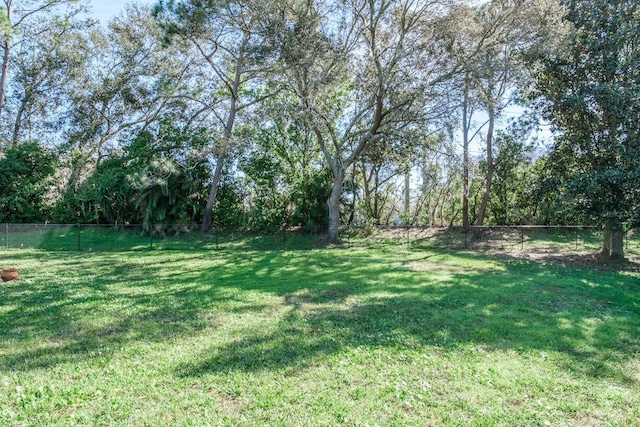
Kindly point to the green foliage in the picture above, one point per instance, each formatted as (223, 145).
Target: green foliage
(26, 173)
(229, 210)
(513, 171)
(113, 194)
(309, 200)
(159, 178)
(592, 96)
(283, 174)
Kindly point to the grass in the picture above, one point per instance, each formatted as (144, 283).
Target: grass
(322, 337)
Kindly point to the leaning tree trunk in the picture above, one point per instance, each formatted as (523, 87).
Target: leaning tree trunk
(334, 205)
(205, 226)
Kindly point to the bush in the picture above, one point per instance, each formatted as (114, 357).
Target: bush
(26, 176)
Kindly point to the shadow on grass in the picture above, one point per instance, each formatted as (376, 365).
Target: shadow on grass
(522, 306)
(323, 303)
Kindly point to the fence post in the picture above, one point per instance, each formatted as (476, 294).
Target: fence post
(79, 231)
(6, 235)
(576, 238)
(151, 237)
(522, 238)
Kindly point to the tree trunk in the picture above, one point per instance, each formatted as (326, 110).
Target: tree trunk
(490, 168)
(366, 192)
(228, 132)
(6, 51)
(617, 244)
(613, 244)
(354, 196)
(376, 213)
(407, 195)
(465, 159)
(18, 122)
(213, 192)
(334, 205)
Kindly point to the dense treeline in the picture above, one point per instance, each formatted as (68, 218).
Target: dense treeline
(262, 114)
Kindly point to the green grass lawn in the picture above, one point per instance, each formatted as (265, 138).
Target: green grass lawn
(322, 337)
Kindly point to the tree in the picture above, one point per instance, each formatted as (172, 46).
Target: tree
(283, 171)
(232, 37)
(159, 178)
(513, 169)
(590, 91)
(15, 15)
(355, 68)
(487, 43)
(43, 66)
(26, 173)
(126, 84)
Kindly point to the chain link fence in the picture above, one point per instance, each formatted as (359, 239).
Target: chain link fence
(90, 237)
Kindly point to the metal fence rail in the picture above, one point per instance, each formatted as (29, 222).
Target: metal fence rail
(91, 237)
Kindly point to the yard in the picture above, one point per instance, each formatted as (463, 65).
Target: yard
(371, 336)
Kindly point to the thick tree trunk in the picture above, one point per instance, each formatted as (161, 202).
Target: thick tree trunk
(334, 205)
(617, 244)
(613, 244)
(490, 168)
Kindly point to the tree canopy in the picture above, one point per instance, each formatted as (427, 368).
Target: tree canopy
(590, 91)
(317, 114)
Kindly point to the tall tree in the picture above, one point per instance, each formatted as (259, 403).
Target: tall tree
(355, 67)
(488, 42)
(127, 82)
(43, 66)
(15, 15)
(233, 38)
(590, 91)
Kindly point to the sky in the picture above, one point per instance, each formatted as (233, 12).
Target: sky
(107, 9)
